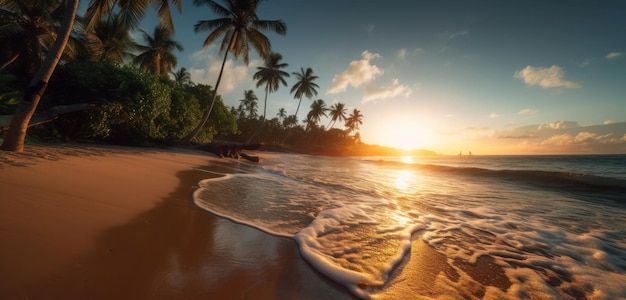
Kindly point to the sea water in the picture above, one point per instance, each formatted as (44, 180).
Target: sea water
(555, 225)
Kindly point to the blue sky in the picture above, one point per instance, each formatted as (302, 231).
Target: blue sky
(493, 77)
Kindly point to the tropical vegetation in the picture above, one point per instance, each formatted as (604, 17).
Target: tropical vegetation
(111, 89)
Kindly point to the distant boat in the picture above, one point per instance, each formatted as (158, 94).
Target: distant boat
(470, 153)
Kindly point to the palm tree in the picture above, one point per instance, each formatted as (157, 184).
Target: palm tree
(354, 120)
(182, 76)
(305, 86)
(318, 109)
(14, 139)
(271, 75)
(249, 103)
(130, 12)
(337, 113)
(27, 32)
(157, 57)
(117, 43)
(282, 114)
(238, 27)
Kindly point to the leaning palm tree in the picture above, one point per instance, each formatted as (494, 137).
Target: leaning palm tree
(354, 120)
(27, 32)
(157, 56)
(14, 138)
(271, 75)
(337, 113)
(305, 86)
(238, 28)
(182, 76)
(131, 12)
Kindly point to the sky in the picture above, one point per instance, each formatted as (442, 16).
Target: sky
(491, 77)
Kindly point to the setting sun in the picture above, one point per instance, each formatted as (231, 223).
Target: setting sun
(400, 136)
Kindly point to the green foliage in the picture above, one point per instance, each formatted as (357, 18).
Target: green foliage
(9, 98)
(134, 107)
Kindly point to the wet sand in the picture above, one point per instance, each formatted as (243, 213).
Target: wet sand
(120, 224)
(80, 222)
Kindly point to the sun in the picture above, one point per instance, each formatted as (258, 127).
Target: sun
(406, 138)
(402, 129)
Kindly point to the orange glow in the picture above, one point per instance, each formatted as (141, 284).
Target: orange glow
(403, 179)
(403, 138)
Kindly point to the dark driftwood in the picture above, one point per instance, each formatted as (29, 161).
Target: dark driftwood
(231, 149)
(49, 115)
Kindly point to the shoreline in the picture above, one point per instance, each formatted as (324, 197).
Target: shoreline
(113, 222)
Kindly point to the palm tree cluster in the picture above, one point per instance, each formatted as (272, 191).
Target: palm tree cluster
(51, 29)
(284, 129)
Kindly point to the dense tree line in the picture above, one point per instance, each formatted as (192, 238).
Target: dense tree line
(137, 95)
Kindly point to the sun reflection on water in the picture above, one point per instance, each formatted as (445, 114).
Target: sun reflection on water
(403, 179)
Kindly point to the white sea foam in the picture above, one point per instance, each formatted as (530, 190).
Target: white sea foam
(354, 221)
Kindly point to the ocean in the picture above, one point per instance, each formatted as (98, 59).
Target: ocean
(508, 227)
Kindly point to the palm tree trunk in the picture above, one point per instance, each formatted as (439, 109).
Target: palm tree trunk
(157, 64)
(207, 113)
(297, 109)
(265, 103)
(14, 139)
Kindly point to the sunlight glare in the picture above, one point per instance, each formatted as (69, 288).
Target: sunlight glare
(403, 178)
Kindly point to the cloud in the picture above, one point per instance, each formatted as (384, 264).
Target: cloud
(206, 68)
(608, 122)
(402, 54)
(494, 115)
(369, 27)
(584, 138)
(564, 137)
(613, 55)
(586, 62)
(522, 136)
(558, 125)
(359, 72)
(447, 36)
(373, 92)
(551, 77)
(526, 111)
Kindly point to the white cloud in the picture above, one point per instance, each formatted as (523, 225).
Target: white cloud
(526, 111)
(608, 122)
(403, 53)
(565, 137)
(613, 55)
(551, 77)
(373, 92)
(559, 125)
(494, 115)
(359, 72)
(584, 136)
(206, 69)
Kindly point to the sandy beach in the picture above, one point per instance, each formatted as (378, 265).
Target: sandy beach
(90, 222)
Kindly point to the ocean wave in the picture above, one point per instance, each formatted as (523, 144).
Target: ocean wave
(613, 188)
